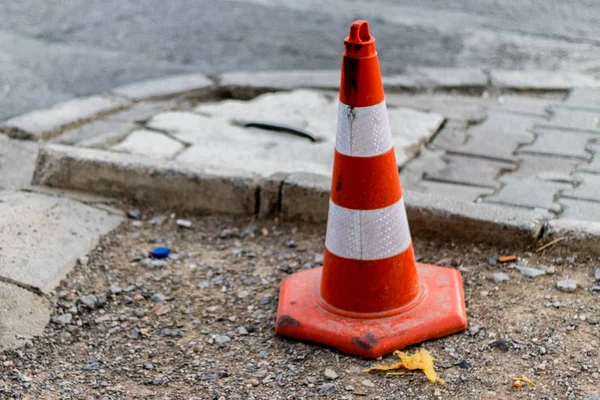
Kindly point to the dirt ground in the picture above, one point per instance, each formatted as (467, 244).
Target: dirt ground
(159, 330)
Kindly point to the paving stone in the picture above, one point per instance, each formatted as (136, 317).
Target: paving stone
(42, 237)
(24, 315)
(588, 189)
(173, 185)
(572, 119)
(497, 146)
(463, 78)
(17, 160)
(459, 107)
(584, 98)
(592, 166)
(559, 143)
(141, 112)
(528, 193)
(245, 85)
(149, 144)
(91, 131)
(579, 209)
(317, 113)
(503, 123)
(198, 84)
(543, 167)
(43, 123)
(460, 192)
(452, 134)
(534, 106)
(470, 171)
(541, 80)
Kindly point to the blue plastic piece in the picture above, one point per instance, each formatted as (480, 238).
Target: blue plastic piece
(160, 252)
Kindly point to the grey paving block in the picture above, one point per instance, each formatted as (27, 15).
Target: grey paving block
(173, 185)
(580, 209)
(42, 237)
(470, 171)
(463, 78)
(305, 197)
(245, 85)
(528, 193)
(495, 146)
(24, 315)
(446, 190)
(93, 130)
(593, 165)
(141, 112)
(504, 123)
(17, 161)
(588, 189)
(543, 167)
(526, 105)
(572, 119)
(559, 143)
(452, 134)
(541, 80)
(198, 84)
(585, 98)
(472, 109)
(149, 144)
(45, 123)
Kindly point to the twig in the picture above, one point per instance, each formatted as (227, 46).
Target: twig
(551, 243)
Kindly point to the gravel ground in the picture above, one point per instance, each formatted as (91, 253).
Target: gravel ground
(201, 324)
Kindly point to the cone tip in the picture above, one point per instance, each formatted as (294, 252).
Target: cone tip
(359, 43)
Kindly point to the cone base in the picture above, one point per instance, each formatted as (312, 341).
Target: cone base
(440, 313)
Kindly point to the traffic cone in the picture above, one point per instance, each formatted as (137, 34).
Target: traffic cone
(370, 297)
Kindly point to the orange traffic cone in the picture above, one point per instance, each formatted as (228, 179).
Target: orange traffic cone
(370, 297)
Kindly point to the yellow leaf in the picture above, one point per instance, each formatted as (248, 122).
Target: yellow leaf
(421, 360)
(518, 382)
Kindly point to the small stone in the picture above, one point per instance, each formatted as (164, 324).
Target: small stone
(492, 261)
(226, 233)
(158, 298)
(101, 300)
(149, 366)
(84, 260)
(161, 309)
(242, 331)
(595, 375)
(222, 340)
(64, 319)
(326, 388)
(592, 321)
(92, 365)
(594, 397)
(597, 275)
(501, 344)
(88, 301)
(567, 285)
(474, 330)
(291, 243)
(551, 270)
(368, 383)
(531, 272)
(115, 290)
(155, 264)
(134, 214)
(349, 388)
(249, 230)
(499, 277)
(330, 374)
(158, 220)
(184, 223)
(134, 333)
(263, 354)
(464, 364)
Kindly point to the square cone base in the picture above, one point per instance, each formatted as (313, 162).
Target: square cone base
(441, 312)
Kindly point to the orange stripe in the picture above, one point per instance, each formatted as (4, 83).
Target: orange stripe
(369, 286)
(365, 183)
(361, 84)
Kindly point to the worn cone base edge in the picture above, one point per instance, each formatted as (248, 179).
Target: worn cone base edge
(440, 312)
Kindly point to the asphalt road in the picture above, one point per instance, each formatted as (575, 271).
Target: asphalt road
(52, 50)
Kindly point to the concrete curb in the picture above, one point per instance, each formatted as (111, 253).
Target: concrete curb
(300, 196)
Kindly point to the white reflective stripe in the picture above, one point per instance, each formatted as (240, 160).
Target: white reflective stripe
(363, 131)
(367, 234)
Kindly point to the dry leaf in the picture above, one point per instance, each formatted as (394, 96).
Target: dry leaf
(522, 380)
(421, 360)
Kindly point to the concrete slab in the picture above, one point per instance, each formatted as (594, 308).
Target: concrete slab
(543, 167)
(470, 171)
(23, 315)
(468, 108)
(149, 144)
(580, 209)
(574, 119)
(17, 161)
(42, 237)
(541, 80)
(463, 78)
(499, 146)
(199, 84)
(452, 134)
(534, 106)
(559, 143)
(528, 193)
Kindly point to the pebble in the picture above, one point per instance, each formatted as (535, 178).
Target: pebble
(161, 309)
(134, 333)
(84, 260)
(226, 233)
(134, 214)
(88, 301)
(567, 285)
(330, 374)
(242, 331)
(326, 388)
(499, 277)
(249, 230)
(592, 321)
(184, 223)
(368, 383)
(597, 275)
(474, 330)
(349, 388)
(531, 272)
(155, 264)
(115, 290)
(158, 298)
(492, 260)
(263, 354)
(222, 340)
(63, 319)
(291, 243)
(149, 366)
